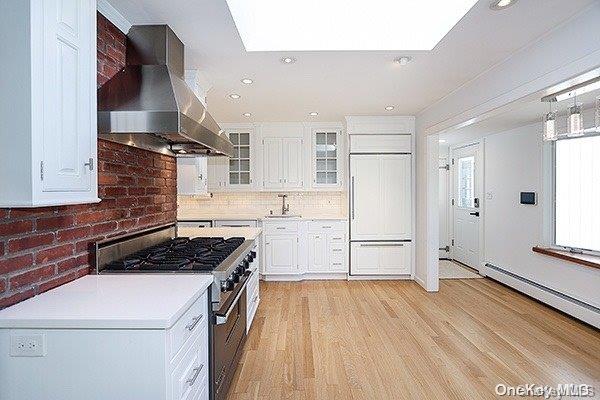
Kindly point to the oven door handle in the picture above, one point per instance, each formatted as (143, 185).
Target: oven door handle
(222, 319)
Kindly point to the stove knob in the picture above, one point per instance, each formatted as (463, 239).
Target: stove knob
(235, 277)
(240, 269)
(228, 283)
(224, 286)
(250, 257)
(253, 254)
(246, 264)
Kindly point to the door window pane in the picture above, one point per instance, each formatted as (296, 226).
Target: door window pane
(466, 182)
(577, 213)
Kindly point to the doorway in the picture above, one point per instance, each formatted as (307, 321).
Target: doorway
(466, 187)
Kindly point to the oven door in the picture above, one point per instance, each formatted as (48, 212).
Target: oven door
(229, 336)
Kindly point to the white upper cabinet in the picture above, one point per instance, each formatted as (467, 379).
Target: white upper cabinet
(48, 103)
(282, 163)
(217, 173)
(192, 175)
(272, 168)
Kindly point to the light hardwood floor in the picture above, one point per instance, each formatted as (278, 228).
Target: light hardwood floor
(392, 340)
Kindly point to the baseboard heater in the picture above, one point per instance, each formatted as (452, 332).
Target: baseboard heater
(569, 305)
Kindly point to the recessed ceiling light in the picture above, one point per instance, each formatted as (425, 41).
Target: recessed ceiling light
(389, 108)
(288, 60)
(501, 4)
(313, 113)
(235, 96)
(247, 114)
(402, 60)
(385, 25)
(247, 81)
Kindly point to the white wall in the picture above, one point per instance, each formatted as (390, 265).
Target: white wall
(570, 50)
(514, 163)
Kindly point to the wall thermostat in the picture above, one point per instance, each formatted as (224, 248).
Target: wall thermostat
(528, 198)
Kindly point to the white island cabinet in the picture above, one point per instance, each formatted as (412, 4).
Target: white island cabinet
(134, 337)
(48, 133)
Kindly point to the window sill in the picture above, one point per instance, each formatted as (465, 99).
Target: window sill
(581, 259)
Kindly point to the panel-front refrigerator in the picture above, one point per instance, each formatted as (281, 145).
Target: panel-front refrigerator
(380, 214)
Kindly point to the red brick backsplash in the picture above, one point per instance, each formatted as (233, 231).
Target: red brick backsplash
(41, 248)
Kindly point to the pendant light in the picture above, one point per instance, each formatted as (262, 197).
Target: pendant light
(575, 120)
(549, 123)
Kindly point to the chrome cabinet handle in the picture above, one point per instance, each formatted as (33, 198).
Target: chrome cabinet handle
(337, 263)
(336, 249)
(195, 322)
(381, 244)
(90, 164)
(255, 298)
(280, 227)
(352, 199)
(195, 375)
(326, 227)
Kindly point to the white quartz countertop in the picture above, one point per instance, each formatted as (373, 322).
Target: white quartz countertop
(119, 301)
(224, 231)
(193, 216)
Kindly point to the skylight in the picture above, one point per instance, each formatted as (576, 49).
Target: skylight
(305, 25)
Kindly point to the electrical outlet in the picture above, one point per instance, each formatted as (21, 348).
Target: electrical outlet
(32, 345)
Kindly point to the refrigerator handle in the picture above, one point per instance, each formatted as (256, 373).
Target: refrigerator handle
(352, 200)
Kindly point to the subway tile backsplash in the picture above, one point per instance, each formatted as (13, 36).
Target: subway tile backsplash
(261, 203)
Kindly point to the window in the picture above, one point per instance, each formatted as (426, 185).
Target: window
(577, 193)
(466, 182)
(239, 164)
(326, 158)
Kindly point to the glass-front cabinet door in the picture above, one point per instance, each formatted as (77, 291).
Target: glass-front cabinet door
(239, 164)
(326, 158)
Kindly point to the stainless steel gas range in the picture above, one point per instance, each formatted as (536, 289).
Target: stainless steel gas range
(159, 250)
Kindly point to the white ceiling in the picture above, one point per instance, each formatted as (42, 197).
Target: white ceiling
(528, 111)
(342, 83)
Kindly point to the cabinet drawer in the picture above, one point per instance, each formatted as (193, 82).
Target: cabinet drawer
(337, 238)
(193, 321)
(237, 223)
(190, 375)
(326, 226)
(281, 227)
(381, 258)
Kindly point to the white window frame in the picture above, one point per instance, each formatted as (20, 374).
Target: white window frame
(575, 250)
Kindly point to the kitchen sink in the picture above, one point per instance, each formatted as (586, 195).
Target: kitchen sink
(283, 216)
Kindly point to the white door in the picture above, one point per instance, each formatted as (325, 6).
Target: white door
(281, 254)
(443, 206)
(272, 170)
(396, 196)
(365, 202)
(292, 163)
(317, 252)
(466, 177)
(69, 122)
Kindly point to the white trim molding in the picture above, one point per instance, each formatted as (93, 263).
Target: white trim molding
(114, 16)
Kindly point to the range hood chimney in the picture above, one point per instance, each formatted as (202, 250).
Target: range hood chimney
(149, 105)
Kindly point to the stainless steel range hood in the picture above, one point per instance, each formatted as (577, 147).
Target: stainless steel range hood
(149, 105)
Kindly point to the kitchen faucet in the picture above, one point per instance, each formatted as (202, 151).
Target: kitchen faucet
(285, 208)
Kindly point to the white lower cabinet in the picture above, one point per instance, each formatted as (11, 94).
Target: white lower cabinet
(117, 363)
(306, 248)
(281, 254)
(381, 258)
(253, 289)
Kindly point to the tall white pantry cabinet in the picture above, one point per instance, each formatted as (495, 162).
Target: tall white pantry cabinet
(48, 102)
